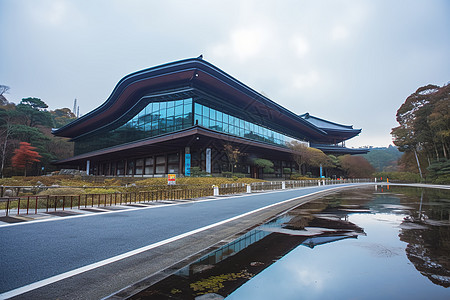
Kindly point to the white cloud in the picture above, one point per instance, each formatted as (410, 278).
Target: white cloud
(306, 80)
(301, 46)
(339, 33)
(243, 43)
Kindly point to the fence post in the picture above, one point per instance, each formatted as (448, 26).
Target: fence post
(216, 190)
(7, 207)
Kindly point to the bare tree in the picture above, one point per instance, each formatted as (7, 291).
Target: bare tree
(233, 154)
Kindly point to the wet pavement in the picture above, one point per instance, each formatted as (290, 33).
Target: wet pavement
(388, 243)
(94, 255)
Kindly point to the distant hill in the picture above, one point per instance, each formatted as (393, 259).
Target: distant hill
(383, 159)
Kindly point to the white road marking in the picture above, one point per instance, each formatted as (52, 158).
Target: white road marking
(142, 208)
(53, 279)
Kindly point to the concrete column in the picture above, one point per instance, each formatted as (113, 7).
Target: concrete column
(88, 166)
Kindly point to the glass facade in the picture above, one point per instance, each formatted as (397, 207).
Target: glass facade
(154, 119)
(220, 121)
(162, 117)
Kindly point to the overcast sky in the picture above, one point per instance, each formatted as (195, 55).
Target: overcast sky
(351, 62)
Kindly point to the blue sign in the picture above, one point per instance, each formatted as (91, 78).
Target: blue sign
(187, 165)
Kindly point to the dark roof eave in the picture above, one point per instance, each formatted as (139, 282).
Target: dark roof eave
(181, 71)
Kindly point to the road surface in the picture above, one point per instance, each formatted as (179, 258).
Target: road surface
(36, 256)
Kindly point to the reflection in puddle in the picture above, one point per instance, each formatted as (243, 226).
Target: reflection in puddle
(354, 242)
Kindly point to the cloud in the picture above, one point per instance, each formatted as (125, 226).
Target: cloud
(306, 80)
(339, 33)
(243, 44)
(301, 46)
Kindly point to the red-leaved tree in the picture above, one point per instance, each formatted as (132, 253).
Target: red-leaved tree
(24, 156)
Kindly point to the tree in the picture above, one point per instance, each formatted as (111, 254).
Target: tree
(356, 166)
(3, 90)
(62, 116)
(265, 164)
(300, 154)
(306, 157)
(5, 134)
(424, 124)
(25, 156)
(233, 154)
(34, 112)
(383, 159)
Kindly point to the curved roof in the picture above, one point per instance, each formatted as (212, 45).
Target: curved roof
(339, 131)
(198, 73)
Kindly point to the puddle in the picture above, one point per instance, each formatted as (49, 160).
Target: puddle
(347, 245)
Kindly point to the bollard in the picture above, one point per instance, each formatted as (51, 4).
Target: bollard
(283, 185)
(249, 189)
(216, 190)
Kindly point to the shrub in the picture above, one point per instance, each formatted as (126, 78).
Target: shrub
(101, 191)
(227, 174)
(398, 176)
(63, 191)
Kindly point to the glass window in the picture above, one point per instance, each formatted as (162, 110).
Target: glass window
(198, 109)
(155, 106)
(232, 120)
(225, 118)
(139, 167)
(178, 110)
(219, 116)
(198, 120)
(219, 126)
(178, 102)
(170, 123)
(173, 168)
(212, 114)
(162, 114)
(149, 161)
(205, 121)
(130, 167)
(171, 111)
(172, 158)
(160, 159)
(148, 170)
(160, 169)
(120, 168)
(205, 111)
(170, 104)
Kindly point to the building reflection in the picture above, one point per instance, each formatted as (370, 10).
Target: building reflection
(227, 268)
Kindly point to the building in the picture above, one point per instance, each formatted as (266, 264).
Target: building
(170, 118)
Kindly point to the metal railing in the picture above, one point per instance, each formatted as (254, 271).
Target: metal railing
(53, 203)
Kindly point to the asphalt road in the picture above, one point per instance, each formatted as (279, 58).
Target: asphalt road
(34, 251)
